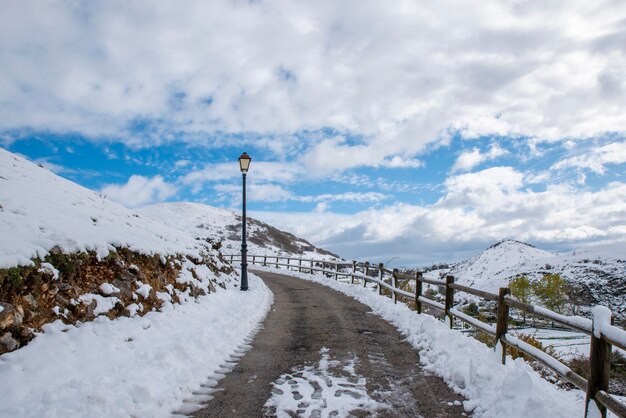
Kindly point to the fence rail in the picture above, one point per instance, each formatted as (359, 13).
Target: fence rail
(603, 334)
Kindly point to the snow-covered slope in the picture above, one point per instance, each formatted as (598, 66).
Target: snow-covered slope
(221, 225)
(40, 210)
(493, 267)
(594, 279)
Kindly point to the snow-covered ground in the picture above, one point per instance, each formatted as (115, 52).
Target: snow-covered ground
(40, 210)
(566, 344)
(142, 366)
(469, 367)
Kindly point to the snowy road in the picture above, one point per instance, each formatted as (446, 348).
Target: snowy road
(322, 354)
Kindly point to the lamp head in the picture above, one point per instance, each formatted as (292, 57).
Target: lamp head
(244, 162)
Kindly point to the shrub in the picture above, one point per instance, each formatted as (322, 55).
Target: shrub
(551, 290)
(521, 289)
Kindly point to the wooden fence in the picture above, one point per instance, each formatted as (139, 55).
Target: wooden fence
(603, 334)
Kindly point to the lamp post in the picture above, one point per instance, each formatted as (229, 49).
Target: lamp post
(244, 164)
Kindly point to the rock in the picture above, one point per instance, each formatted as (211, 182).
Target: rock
(8, 342)
(211, 287)
(19, 315)
(29, 315)
(30, 299)
(56, 250)
(119, 263)
(61, 301)
(64, 287)
(91, 307)
(7, 315)
(124, 287)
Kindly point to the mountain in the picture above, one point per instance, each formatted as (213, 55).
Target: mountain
(224, 226)
(593, 278)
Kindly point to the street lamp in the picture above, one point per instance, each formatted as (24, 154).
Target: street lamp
(244, 164)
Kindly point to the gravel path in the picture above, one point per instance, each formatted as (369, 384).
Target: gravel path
(320, 354)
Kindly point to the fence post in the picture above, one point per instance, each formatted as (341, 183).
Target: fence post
(276, 261)
(367, 272)
(503, 320)
(394, 281)
(449, 299)
(418, 291)
(599, 361)
(336, 270)
(253, 259)
(264, 261)
(311, 271)
(231, 258)
(380, 277)
(300, 266)
(353, 271)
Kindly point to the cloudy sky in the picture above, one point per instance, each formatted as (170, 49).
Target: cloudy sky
(423, 130)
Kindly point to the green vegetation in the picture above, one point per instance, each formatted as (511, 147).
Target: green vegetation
(551, 290)
(522, 290)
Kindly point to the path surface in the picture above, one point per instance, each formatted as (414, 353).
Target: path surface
(326, 352)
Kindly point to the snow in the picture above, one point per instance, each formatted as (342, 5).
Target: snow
(601, 317)
(542, 356)
(602, 326)
(143, 290)
(469, 367)
(133, 308)
(40, 210)
(565, 343)
(576, 321)
(108, 289)
(141, 366)
(103, 304)
(1, 308)
(330, 388)
(49, 269)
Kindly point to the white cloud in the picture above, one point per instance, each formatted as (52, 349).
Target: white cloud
(477, 209)
(260, 172)
(140, 190)
(470, 159)
(596, 159)
(398, 78)
(399, 162)
(344, 197)
(258, 193)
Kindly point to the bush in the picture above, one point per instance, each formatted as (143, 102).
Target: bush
(551, 290)
(521, 289)
(471, 309)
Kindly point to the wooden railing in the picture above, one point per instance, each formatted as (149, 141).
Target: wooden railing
(603, 334)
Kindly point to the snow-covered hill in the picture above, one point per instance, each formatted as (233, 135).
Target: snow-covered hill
(40, 210)
(221, 225)
(594, 279)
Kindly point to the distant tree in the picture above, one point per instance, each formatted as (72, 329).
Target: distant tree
(551, 291)
(522, 290)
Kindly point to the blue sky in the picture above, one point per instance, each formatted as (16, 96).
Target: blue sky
(426, 130)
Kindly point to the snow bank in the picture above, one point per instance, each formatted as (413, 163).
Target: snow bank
(469, 367)
(141, 366)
